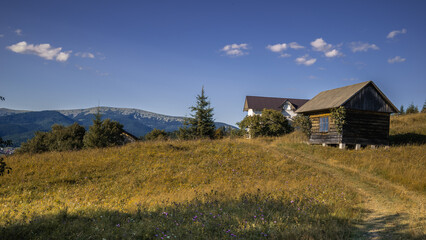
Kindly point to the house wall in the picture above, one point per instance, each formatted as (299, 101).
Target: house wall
(369, 128)
(288, 111)
(317, 137)
(250, 112)
(361, 127)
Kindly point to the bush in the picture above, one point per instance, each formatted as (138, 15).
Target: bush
(38, 144)
(60, 138)
(303, 123)
(156, 134)
(270, 123)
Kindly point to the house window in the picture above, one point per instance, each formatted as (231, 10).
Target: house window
(323, 124)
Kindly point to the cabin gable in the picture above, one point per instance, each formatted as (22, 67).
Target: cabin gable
(368, 99)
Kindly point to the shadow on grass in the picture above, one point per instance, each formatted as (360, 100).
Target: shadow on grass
(250, 217)
(407, 138)
(384, 227)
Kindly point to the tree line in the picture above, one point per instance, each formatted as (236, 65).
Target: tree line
(103, 133)
(411, 109)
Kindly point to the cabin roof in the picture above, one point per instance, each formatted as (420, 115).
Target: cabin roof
(338, 97)
(259, 103)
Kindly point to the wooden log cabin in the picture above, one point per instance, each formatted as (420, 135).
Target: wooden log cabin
(367, 116)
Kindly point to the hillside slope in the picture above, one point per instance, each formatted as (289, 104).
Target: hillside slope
(276, 188)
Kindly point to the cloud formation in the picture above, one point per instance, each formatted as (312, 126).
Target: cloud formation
(362, 47)
(281, 47)
(396, 59)
(235, 50)
(1, 35)
(85, 55)
(305, 60)
(396, 32)
(321, 46)
(18, 32)
(42, 50)
(295, 45)
(277, 47)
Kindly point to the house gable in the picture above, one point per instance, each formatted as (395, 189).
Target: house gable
(369, 99)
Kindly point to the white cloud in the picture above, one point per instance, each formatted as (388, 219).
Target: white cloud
(277, 47)
(18, 32)
(396, 32)
(295, 45)
(321, 46)
(1, 35)
(85, 55)
(332, 53)
(63, 56)
(235, 49)
(284, 55)
(305, 60)
(42, 50)
(396, 59)
(362, 47)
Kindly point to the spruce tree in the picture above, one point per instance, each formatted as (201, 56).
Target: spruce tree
(103, 133)
(94, 138)
(201, 123)
(401, 110)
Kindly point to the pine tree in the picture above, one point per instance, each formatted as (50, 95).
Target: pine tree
(201, 124)
(401, 110)
(94, 138)
(412, 109)
(103, 133)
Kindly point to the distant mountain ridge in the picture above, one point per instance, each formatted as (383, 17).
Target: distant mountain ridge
(20, 125)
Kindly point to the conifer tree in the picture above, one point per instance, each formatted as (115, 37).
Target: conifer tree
(103, 133)
(201, 124)
(401, 110)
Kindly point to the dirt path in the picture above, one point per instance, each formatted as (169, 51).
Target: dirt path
(390, 211)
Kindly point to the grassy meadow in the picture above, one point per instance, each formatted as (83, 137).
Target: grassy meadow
(230, 188)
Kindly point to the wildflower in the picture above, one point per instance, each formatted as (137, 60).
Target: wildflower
(118, 225)
(292, 201)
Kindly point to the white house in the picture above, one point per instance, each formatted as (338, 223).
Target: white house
(288, 106)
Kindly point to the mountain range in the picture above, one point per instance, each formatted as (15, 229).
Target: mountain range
(20, 125)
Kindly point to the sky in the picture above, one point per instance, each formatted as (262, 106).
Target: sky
(157, 55)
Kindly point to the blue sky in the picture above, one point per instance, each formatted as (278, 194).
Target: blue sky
(156, 55)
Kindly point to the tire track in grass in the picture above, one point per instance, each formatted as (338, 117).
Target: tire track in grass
(390, 210)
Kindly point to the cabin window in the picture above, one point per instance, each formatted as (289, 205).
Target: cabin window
(323, 124)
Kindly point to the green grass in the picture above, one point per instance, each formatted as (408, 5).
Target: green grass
(243, 189)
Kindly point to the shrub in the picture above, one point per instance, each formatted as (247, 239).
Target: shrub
(60, 138)
(270, 123)
(339, 117)
(303, 123)
(156, 134)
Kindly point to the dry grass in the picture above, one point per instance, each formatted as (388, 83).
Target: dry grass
(234, 187)
(197, 189)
